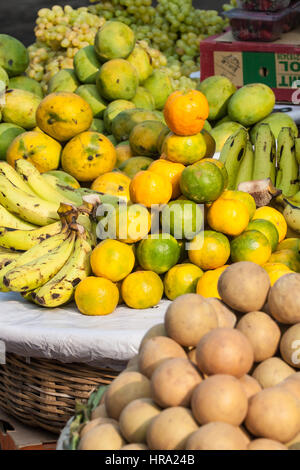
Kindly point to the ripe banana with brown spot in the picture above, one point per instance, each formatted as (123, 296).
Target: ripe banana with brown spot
(12, 175)
(26, 239)
(37, 251)
(8, 256)
(11, 221)
(67, 192)
(38, 271)
(37, 183)
(60, 289)
(30, 208)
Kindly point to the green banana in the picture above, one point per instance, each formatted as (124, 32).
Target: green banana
(8, 256)
(11, 174)
(37, 183)
(60, 289)
(246, 167)
(264, 154)
(37, 251)
(288, 169)
(66, 191)
(11, 221)
(291, 214)
(297, 149)
(26, 239)
(30, 208)
(38, 271)
(232, 154)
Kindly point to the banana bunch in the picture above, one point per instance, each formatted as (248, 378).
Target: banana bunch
(53, 260)
(266, 160)
(29, 199)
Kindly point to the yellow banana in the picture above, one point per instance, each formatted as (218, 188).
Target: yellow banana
(38, 271)
(232, 154)
(11, 221)
(37, 251)
(11, 174)
(60, 289)
(291, 214)
(29, 208)
(66, 191)
(26, 239)
(8, 256)
(37, 183)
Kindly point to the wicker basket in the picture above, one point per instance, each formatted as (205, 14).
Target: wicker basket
(42, 392)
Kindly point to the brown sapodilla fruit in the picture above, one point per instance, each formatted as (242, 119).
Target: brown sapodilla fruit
(244, 286)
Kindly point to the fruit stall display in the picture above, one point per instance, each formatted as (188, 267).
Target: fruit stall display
(111, 143)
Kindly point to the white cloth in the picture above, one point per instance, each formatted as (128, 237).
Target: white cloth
(66, 335)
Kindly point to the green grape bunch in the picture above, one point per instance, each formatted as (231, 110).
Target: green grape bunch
(170, 32)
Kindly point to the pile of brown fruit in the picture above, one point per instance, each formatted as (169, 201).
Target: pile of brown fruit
(216, 375)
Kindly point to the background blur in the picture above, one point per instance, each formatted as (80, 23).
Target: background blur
(18, 16)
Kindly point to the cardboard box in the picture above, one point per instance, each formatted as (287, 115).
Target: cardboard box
(276, 64)
(17, 436)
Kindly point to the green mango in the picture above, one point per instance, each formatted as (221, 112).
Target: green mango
(86, 65)
(115, 40)
(64, 80)
(8, 132)
(251, 103)
(97, 125)
(160, 86)
(14, 57)
(143, 99)
(92, 96)
(20, 108)
(218, 91)
(26, 83)
(141, 60)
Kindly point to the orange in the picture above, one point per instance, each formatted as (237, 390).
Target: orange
(228, 216)
(113, 260)
(267, 228)
(209, 250)
(150, 188)
(123, 152)
(274, 216)
(142, 289)
(158, 252)
(129, 224)
(243, 197)
(186, 112)
(88, 155)
(288, 257)
(184, 149)
(96, 296)
(181, 279)
(113, 182)
(172, 171)
(251, 246)
(207, 285)
(276, 271)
